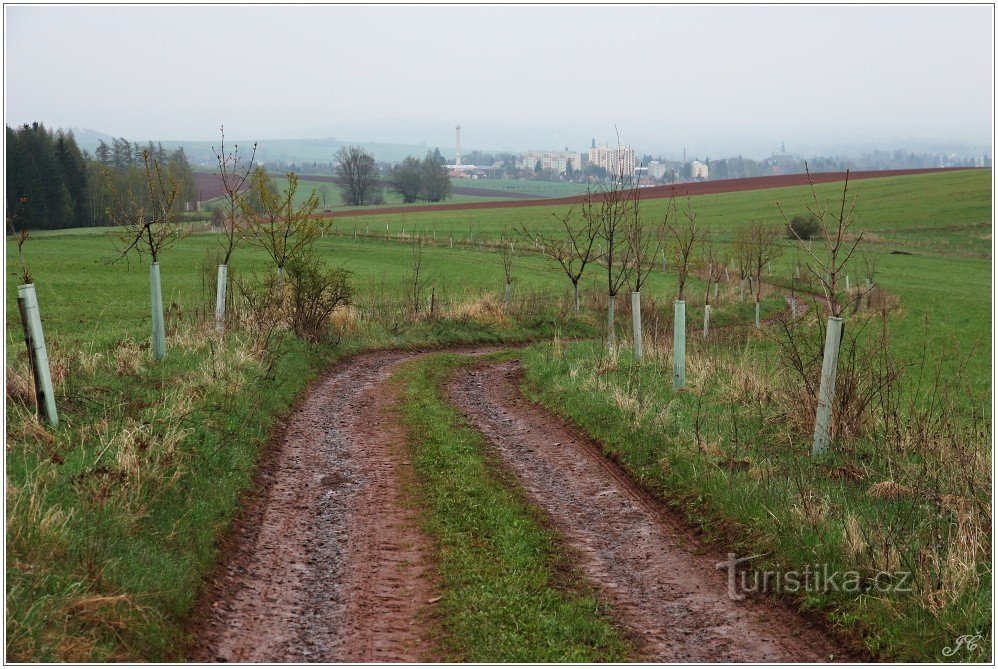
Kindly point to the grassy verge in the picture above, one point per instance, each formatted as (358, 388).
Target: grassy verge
(731, 453)
(507, 595)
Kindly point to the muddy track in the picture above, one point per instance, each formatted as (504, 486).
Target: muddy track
(663, 584)
(328, 563)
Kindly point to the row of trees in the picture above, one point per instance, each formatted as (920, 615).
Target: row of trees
(52, 184)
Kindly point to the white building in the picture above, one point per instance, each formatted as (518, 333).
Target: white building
(657, 170)
(617, 160)
(698, 170)
(552, 160)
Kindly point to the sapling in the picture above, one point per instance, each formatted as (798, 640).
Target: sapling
(828, 268)
(645, 242)
(506, 253)
(684, 238)
(713, 275)
(758, 244)
(234, 177)
(149, 222)
(573, 250)
(284, 231)
(608, 208)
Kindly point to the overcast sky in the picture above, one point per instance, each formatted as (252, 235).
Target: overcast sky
(721, 80)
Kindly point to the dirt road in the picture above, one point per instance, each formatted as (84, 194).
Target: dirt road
(328, 562)
(664, 586)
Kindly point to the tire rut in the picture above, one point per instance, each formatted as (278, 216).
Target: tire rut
(663, 585)
(328, 563)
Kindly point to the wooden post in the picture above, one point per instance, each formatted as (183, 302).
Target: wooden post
(223, 273)
(826, 389)
(34, 338)
(679, 346)
(639, 353)
(158, 324)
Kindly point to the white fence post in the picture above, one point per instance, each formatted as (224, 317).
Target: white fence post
(31, 319)
(223, 273)
(826, 389)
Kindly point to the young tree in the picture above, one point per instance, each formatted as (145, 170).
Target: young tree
(506, 253)
(828, 268)
(573, 251)
(610, 207)
(281, 229)
(147, 221)
(234, 177)
(684, 239)
(715, 268)
(358, 175)
(758, 244)
(234, 174)
(644, 242)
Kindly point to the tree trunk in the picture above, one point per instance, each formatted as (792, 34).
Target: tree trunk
(575, 289)
(506, 303)
(757, 310)
(706, 320)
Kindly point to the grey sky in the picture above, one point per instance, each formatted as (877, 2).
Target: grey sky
(721, 80)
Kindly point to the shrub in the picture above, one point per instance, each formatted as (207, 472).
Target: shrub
(803, 227)
(316, 291)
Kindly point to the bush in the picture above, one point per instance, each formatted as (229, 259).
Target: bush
(803, 227)
(316, 291)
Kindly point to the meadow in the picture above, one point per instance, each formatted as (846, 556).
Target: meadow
(114, 515)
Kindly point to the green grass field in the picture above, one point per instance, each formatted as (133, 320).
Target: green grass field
(104, 565)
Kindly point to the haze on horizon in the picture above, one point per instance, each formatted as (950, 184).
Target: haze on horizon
(719, 80)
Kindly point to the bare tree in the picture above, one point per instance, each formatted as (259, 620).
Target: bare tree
(645, 242)
(573, 251)
(234, 173)
(715, 268)
(758, 244)
(281, 229)
(148, 222)
(609, 208)
(417, 281)
(839, 247)
(683, 238)
(358, 175)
